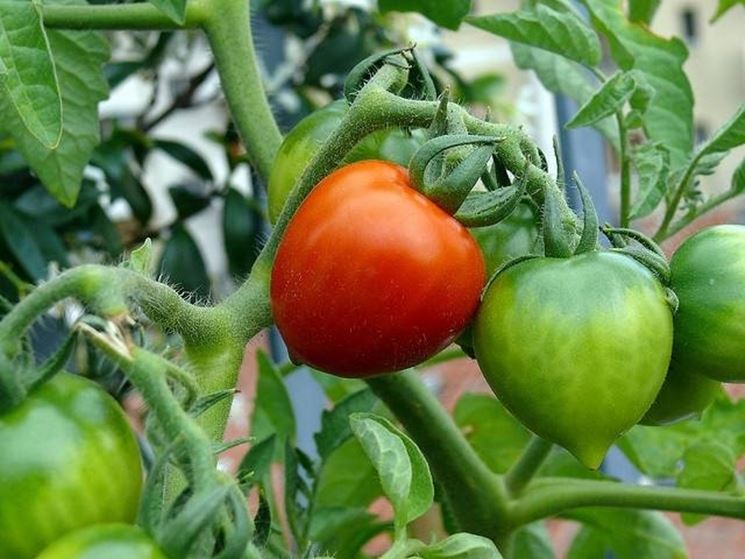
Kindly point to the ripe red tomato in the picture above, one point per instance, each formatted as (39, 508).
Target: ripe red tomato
(371, 276)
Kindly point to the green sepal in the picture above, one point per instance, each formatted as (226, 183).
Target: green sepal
(556, 241)
(420, 79)
(480, 209)
(588, 241)
(646, 251)
(672, 300)
(12, 390)
(220, 447)
(238, 531)
(203, 403)
(415, 81)
(450, 190)
(617, 234)
(150, 514)
(364, 70)
(658, 266)
(560, 177)
(497, 176)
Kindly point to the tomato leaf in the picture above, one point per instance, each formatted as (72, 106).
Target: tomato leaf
(241, 225)
(707, 465)
(725, 6)
(335, 429)
(186, 155)
(141, 258)
(634, 46)
(343, 531)
(462, 546)
(189, 199)
(19, 238)
(542, 27)
(28, 76)
(447, 14)
(642, 11)
(738, 178)
(174, 9)
(255, 465)
(563, 76)
(652, 162)
(533, 541)
(611, 97)
(479, 416)
(730, 135)
(78, 56)
(403, 471)
(182, 263)
(347, 478)
(628, 534)
(273, 411)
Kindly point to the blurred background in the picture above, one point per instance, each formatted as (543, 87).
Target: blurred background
(171, 168)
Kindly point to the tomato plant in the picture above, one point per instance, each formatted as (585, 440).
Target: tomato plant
(372, 277)
(515, 236)
(69, 460)
(113, 541)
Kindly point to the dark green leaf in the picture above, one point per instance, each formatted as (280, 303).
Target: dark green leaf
(273, 412)
(629, 534)
(652, 162)
(174, 9)
(262, 521)
(609, 99)
(189, 200)
(78, 56)
(21, 241)
(186, 155)
(482, 418)
(182, 264)
(562, 33)
(255, 465)
(669, 117)
(533, 541)
(27, 73)
(738, 178)
(241, 225)
(730, 135)
(642, 11)
(342, 532)
(106, 233)
(117, 72)
(335, 428)
(448, 14)
(560, 75)
(725, 6)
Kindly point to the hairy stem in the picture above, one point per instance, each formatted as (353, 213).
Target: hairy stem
(228, 28)
(527, 465)
(119, 16)
(549, 497)
(625, 159)
(476, 495)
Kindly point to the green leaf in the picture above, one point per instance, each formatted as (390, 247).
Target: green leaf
(629, 534)
(446, 14)
(347, 478)
(255, 465)
(533, 541)
(609, 99)
(19, 238)
(78, 56)
(337, 388)
(402, 469)
(642, 11)
(725, 6)
(738, 178)
(652, 162)
(463, 546)
(542, 27)
(730, 135)
(141, 258)
(273, 412)
(186, 155)
(669, 117)
(335, 429)
(174, 9)
(241, 225)
(182, 265)
(560, 75)
(27, 73)
(343, 531)
(188, 200)
(484, 420)
(707, 465)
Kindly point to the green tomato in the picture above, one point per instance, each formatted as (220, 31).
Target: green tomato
(515, 236)
(110, 541)
(68, 459)
(683, 396)
(708, 276)
(576, 348)
(303, 141)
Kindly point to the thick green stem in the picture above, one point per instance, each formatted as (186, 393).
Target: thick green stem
(228, 28)
(477, 496)
(672, 206)
(119, 16)
(527, 465)
(549, 497)
(625, 158)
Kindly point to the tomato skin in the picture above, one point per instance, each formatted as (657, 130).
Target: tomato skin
(109, 541)
(303, 141)
(708, 276)
(683, 396)
(508, 239)
(69, 459)
(371, 276)
(577, 348)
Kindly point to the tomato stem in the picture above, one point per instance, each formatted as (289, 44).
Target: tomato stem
(625, 158)
(119, 16)
(527, 465)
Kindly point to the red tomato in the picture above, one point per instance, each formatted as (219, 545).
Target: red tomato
(371, 276)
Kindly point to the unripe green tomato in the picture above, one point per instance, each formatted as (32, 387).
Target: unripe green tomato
(508, 239)
(68, 459)
(683, 396)
(303, 141)
(576, 348)
(708, 276)
(110, 541)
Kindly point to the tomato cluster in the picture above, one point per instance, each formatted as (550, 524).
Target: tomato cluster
(372, 277)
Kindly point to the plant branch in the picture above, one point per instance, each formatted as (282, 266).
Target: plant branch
(477, 496)
(624, 157)
(711, 204)
(672, 206)
(527, 465)
(551, 496)
(139, 16)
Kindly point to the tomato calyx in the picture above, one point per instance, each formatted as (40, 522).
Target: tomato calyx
(641, 248)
